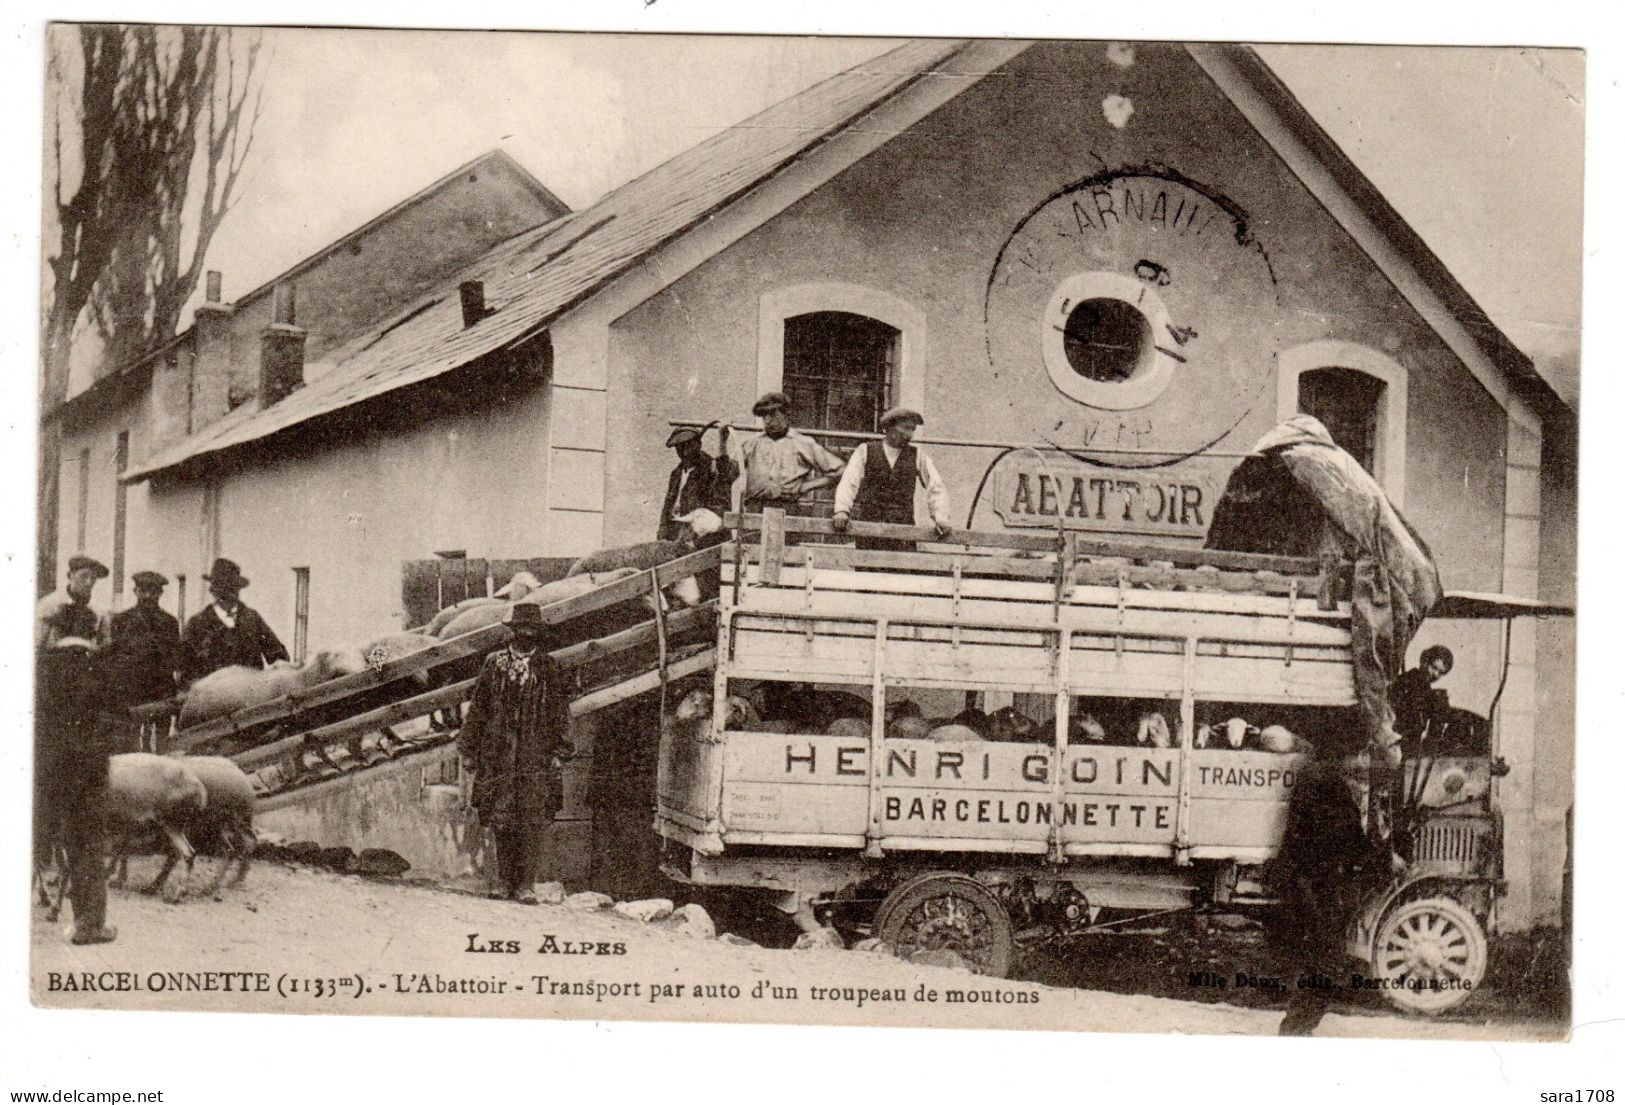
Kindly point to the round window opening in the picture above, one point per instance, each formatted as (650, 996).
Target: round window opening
(1099, 339)
(1107, 340)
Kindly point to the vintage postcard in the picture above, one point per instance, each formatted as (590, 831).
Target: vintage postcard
(943, 532)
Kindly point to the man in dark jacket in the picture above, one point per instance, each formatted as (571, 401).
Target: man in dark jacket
(146, 643)
(513, 746)
(699, 480)
(1327, 864)
(227, 632)
(72, 742)
(1420, 709)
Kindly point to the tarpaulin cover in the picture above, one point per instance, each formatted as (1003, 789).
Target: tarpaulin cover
(1395, 581)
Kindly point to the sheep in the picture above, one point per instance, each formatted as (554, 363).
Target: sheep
(951, 732)
(392, 646)
(1152, 730)
(1236, 732)
(522, 584)
(809, 710)
(489, 612)
(148, 790)
(848, 727)
(1086, 729)
(227, 816)
(1280, 739)
(694, 708)
(651, 554)
(1010, 724)
(224, 692)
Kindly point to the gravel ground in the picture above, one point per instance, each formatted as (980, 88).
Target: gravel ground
(310, 941)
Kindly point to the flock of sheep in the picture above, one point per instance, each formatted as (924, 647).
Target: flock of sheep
(797, 708)
(204, 799)
(190, 800)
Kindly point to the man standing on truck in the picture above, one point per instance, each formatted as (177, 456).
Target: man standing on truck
(513, 746)
(879, 481)
(699, 480)
(783, 466)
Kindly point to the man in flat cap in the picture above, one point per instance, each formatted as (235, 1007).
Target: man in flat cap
(783, 466)
(227, 631)
(699, 480)
(881, 478)
(146, 644)
(513, 745)
(67, 612)
(71, 745)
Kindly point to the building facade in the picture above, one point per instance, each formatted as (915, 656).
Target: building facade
(1101, 272)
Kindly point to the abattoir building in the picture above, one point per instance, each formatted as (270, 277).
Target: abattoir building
(1148, 255)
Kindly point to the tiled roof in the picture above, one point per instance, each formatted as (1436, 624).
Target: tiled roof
(532, 278)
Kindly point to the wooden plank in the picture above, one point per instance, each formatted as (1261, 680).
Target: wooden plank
(468, 644)
(642, 684)
(832, 580)
(392, 714)
(772, 545)
(1086, 547)
(993, 614)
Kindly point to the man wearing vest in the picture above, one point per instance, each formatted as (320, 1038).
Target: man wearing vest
(880, 480)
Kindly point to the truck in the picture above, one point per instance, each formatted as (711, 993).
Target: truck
(1174, 695)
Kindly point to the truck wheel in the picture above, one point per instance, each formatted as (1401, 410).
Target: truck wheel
(952, 912)
(1430, 954)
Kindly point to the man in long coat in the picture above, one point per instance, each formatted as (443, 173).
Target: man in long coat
(513, 744)
(147, 643)
(227, 631)
(72, 743)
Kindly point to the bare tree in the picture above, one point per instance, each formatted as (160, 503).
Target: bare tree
(158, 112)
(137, 303)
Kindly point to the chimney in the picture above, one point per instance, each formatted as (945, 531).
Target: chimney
(282, 350)
(473, 296)
(211, 367)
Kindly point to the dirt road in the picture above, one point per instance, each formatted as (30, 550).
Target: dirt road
(296, 940)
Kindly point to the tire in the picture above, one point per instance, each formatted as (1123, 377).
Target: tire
(1425, 941)
(950, 912)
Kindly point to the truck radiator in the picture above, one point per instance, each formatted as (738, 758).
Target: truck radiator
(1454, 842)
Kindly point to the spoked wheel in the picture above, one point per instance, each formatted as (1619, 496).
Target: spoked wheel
(952, 912)
(1430, 954)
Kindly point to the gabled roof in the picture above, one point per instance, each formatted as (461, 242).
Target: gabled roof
(536, 276)
(1518, 368)
(497, 158)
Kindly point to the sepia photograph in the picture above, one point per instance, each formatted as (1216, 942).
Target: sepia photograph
(915, 532)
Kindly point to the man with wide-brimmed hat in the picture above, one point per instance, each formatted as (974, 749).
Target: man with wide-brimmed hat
(227, 631)
(781, 465)
(67, 612)
(881, 478)
(146, 643)
(700, 480)
(513, 746)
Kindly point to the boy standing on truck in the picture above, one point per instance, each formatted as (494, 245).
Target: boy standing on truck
(513, 745)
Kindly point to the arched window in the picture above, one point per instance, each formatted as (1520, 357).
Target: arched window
(1347, 402)
(842, 353)
(840, 370)
(1359, 395)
